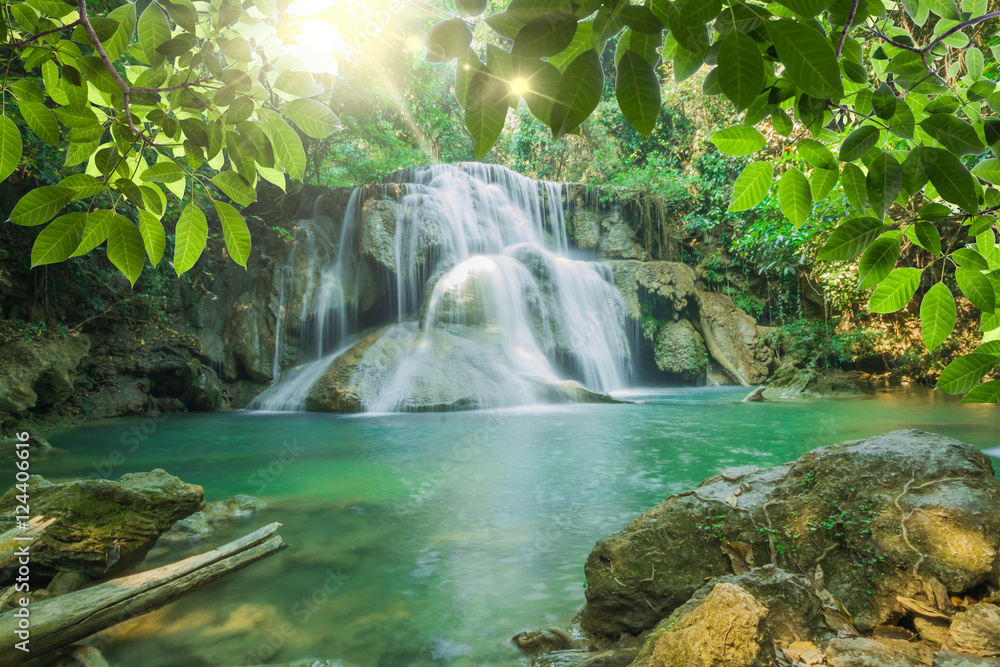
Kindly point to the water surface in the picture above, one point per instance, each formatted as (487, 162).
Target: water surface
(431, 539)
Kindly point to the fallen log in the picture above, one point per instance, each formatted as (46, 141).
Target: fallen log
(63, 620)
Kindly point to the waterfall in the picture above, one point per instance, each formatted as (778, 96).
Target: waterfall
(328, 308)
(491, 307)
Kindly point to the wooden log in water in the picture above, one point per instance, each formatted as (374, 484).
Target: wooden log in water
(63, 620)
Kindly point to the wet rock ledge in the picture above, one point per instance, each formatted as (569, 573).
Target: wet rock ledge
(877, 552)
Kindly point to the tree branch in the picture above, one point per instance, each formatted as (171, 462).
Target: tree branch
(37, 36)
(961, 26)
(847, 27)
(126, 88)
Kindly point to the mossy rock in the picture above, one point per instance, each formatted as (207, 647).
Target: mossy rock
(102, 527)
(845, 505)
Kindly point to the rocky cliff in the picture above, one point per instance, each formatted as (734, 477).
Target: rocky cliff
(217, 337)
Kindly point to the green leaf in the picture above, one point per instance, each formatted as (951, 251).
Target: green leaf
(84, 185)
(95, 231)
(58, 241)
(938, 314)
(822, 181)
(808, 58)
(314, 118)
(741, 69)
(40, 205)
(125, 248)
(191, 236)
(163, 172)
(946, 9)
(579, 93)
(794, 196)
(42, 122)
(816, 154)
(153, 236)
(850, 239)
(287, 144)
(988, 170)
(981, 224)
(447, 40)
(236, 48)
(970, 258)
(540, 79)
(925, 235)
(583, 41)
(235, 232)
(961, 375)
(153, 30)
(471, 7)
(641, 19)
(885, 178)
(485, 109)
(858, 142)
(300, 84)
(638, 91)
(977, 288)
(950, 178)
(855, 186)
(737, 141)
(10, 147)
(987, 392)
(545, 36)
(884, 101)
(751, 186)
(235, 187)
(953, 133)
(895, 291)
(878, 259)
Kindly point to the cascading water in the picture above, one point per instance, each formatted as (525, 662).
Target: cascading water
(491, 309)
(328, 315)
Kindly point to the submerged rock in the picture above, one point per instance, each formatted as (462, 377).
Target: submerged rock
(215, 515)
(102, 527)
(881, 515)
(795, 382)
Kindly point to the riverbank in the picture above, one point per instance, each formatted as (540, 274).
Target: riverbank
(876, 551)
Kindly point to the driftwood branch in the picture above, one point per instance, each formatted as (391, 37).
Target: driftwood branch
(63, 620)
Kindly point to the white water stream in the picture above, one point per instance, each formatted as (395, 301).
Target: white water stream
(494, 246)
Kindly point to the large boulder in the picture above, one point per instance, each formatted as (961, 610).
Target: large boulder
(401, 368)
(39, 373)
(882, 515)
(727, 627)
(102, 527)
(733, 339)
(336, 390)
(679, 351)
(661, 290)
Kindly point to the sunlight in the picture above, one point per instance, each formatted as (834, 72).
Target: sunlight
(320, 35)
(520, 86)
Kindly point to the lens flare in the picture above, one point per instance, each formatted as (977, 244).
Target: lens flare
(520, 86)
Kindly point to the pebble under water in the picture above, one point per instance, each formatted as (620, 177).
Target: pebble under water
(431, 539)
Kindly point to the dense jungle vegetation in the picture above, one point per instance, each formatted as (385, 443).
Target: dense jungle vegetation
(372, 104)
